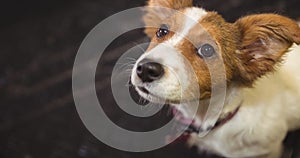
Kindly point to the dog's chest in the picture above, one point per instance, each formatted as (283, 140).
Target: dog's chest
(268, 111)
(240, 137)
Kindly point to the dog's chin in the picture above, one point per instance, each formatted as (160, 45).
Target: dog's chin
(181, 120)
(146, 94)
(150, 96)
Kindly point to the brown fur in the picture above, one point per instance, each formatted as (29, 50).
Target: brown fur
(226, 37)
(249, 48)
(253, 45)
(158, 12)
(173, 4)
(265, 38)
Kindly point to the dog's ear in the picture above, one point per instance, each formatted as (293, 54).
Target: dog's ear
(159, 10)
(264, 39)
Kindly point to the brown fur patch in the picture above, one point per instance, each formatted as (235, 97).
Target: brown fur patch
(265, 38)
(159, 11)
(226, 37)
(223, 36)
(248, 48)
(174, 4)
(173, 24)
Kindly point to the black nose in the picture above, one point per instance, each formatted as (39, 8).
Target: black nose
(149, 71)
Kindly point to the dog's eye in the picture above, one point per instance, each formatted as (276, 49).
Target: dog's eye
(162, 31)
(206, 51)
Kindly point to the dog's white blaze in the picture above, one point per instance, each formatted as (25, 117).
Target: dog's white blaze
(173, 85)
(192, 17)
(167, 54)
(173, 60)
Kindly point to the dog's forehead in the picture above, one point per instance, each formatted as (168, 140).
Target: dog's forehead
(186, 20)
(187, 25)
(194, 13)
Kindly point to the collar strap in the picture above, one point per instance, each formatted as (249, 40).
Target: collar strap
(227, 118)
(191, 128)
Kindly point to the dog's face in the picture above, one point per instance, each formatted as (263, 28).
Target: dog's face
(190, 44)
(174, 66)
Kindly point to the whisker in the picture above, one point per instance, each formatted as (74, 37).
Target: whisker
(124, 69)
(139, 46)
(125, 65)
(131, 59)
(128, 85)
(169, 111)
(140, 100)
(126, 62)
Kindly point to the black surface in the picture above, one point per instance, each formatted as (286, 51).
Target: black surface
(39, 41)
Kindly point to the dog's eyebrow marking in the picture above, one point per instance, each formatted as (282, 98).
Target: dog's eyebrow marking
(192, 16)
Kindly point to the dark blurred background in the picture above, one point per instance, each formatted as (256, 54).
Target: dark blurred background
(38, 44)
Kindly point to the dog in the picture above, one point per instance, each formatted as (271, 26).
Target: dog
(256, 59)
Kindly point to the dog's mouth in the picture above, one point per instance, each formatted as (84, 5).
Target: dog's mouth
(152, 97)
(193, 127)
(146, 94)
(144, 90)
(187, 122)
(181, 120)
(184, 121)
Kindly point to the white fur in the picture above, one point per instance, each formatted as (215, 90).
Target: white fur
(169, 82)
(269, 110)
(192, 17)
(174, 63)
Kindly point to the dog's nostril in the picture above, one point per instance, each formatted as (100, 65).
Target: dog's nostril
(139, 69)
(149, 71)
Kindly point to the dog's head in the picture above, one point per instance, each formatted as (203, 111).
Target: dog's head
(188, 43)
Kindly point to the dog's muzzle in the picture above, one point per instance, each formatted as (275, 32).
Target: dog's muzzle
(149, 71)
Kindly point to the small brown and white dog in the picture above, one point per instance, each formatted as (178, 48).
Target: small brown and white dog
(261, 62)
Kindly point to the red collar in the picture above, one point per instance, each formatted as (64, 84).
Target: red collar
(226, 119)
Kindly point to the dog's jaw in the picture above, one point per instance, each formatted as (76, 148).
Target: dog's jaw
(232, 103)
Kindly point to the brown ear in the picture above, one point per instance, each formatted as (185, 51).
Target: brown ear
(264, 39)
(159, 10)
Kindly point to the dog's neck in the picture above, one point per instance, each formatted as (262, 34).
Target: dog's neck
(206, 113)
(230, 101)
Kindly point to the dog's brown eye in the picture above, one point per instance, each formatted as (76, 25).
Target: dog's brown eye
(162, 31)
(206, 51)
